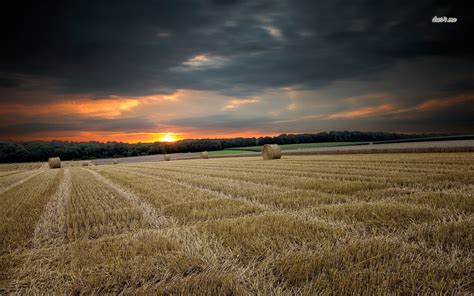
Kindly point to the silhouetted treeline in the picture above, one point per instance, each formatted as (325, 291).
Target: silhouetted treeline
(196, 145)
(41, 151)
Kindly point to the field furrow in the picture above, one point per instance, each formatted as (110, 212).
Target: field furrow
(21, 208)
(376, 217)
(151, 214)
(274, 196)
(15, 180)
(239, 188)
(197, 203)
(372, 176)
(51, 227)
(8, 167)
(269, 178)
(105, 265)
(328, 172)
(308, 166)
(96, 209)
(9, 173)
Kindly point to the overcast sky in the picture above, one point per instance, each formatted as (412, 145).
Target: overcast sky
(135, 70)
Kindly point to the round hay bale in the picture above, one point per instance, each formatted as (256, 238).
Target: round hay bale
(167, 157)
(271, 151)
(85, 164)
(115, 162)
(54, 162)
(204, 155)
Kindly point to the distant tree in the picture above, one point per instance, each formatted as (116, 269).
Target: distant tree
(41, 151)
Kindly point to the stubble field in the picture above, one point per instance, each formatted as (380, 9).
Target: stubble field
(331, 224)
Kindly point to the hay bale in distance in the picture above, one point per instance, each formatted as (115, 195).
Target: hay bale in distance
(54, 162)
(271, 151)
(115, 162)
(167, 157)
(85, 164)
(204, 155)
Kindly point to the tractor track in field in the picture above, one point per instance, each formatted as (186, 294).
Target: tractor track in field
(50, 229)
(18, 183)
(150, 213)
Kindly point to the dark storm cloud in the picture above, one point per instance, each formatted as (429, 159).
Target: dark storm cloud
(223, 122)
(135, 48)
(7, 82)
(467, 85)
(70, 124)
(457, 119)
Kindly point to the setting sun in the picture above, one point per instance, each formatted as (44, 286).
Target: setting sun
(168, 137)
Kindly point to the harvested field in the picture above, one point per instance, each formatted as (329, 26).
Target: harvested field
(8, 168)
(304, 225)
(308, 149)
(413, 147)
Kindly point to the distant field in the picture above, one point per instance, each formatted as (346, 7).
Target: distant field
(306, 225)
(288, 147)
(340, 144)
(430, 139)
(230, 151)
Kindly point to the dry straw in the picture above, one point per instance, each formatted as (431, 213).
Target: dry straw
(271, 151)
(167, 157)
(204, 155)
(54, 162)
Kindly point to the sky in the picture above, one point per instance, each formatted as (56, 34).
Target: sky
(144, 71)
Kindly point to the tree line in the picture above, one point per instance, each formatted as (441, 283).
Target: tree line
(40, 150)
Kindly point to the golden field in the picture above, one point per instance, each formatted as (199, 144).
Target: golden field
(305, 225)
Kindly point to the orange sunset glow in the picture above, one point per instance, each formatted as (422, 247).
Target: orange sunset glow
(85, 136)
(168, 137)
(157, 118)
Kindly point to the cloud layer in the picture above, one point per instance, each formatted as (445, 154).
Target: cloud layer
(217, 68)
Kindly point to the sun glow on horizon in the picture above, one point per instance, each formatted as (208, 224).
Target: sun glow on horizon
(168, 137)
